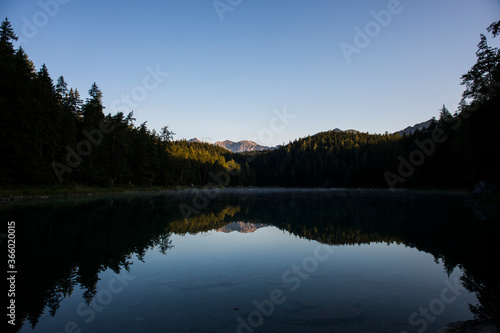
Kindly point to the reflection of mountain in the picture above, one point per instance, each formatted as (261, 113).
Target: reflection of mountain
(68, 243)
(203, 222)
(242, 227)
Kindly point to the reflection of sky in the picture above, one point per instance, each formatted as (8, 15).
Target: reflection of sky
(391, 280)
(276, 251)
(204, 277)
(269, 242)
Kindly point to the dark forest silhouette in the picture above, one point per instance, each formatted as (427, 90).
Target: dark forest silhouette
(50, 136)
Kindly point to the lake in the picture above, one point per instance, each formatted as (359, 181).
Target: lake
(253, 260)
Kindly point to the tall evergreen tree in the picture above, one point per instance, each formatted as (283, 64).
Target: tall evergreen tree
(444, 115)
(66, 116)
(47, 117)
(93, 110)
(93, 168)
(7, 36)
(61, 89)
(74, 103)
(482, 81)
(16, 72)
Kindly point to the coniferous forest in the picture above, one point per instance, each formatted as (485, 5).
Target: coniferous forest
(51, 135)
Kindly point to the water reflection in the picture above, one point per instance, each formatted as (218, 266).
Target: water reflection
(67, 243)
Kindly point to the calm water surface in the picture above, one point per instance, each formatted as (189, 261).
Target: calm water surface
(252, 261)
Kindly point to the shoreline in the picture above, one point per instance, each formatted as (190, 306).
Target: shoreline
(43, 193)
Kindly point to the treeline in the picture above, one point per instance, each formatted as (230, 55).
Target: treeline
(204, 164)
(328, 159)
(453, 152)
(457, 150)
(50, 135)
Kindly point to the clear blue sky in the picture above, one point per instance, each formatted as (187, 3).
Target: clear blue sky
(227, 76)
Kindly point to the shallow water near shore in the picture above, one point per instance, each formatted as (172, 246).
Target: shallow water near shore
(252, 261)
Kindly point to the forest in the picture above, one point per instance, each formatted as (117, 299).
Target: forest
(51, 136)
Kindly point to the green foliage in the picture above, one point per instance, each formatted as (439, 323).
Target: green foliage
(197, 162)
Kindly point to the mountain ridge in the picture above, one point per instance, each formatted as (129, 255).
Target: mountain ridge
(237, 147)
(249, 146)
(241, 146)
(411, 129)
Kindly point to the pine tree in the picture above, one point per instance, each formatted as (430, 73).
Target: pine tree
(74, 103)
(48, 121)
(61, 89)
(66, 117)
(7, 36)
(444, 116)
(92, 110)
(482, 81)
(16, 120)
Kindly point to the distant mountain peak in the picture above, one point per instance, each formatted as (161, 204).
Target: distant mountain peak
(236, 147)
(411, 129)
(353, 131)
(242, 146)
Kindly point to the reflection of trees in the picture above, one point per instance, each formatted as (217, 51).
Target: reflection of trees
(487, 289)
(437, 224)
(203, 222)
(66, 244)
(164, 243)
(62, 245)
